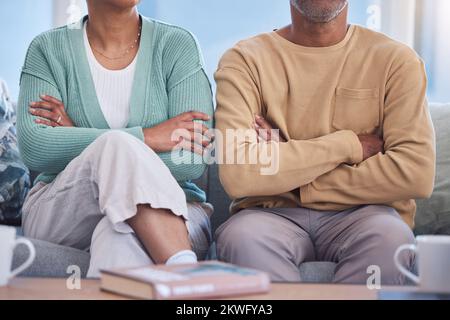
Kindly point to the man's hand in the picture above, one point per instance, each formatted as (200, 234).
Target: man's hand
(371, 145)
(266, 131)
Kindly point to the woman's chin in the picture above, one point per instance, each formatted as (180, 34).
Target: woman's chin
(122, 4)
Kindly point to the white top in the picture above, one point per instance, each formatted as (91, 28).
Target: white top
(113, 88)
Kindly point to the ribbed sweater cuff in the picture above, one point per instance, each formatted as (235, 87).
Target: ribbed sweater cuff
(356, 147)
(305, 196)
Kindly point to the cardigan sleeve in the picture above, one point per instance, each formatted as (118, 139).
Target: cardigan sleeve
(193, 93)
(188, 89)
(47, 149)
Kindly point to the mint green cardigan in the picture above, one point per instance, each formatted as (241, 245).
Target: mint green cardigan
(169, 80)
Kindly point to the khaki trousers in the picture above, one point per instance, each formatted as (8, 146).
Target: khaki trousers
(279, 240)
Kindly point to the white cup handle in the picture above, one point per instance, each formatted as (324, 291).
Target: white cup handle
(400, 267)
(30, 259)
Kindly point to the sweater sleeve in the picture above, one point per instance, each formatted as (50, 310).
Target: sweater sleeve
(289, 165)
(193, 93)
(406, 170)
(48, 149)
(188, 89)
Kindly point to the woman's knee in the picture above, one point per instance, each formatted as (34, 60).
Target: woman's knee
(116, 139)
(121, 148)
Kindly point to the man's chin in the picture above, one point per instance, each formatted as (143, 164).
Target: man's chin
(320, 19)
(318, 12)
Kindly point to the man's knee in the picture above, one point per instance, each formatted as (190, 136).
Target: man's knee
(251, 233)
(375, 238)
(264, 241)
(240, 230)
(254, 234)
(386, 228)
(384, 233)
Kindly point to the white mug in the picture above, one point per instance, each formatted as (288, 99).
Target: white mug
(433, 258)
(8, 242)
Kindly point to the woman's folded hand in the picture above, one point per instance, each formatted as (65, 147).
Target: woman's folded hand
(185, 131)
(50, 112)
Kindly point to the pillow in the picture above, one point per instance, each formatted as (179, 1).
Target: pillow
(14, 176)
(433, 215)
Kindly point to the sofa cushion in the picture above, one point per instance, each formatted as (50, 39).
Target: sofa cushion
(317, 272)
(433, 215)
(217, 197)
(51, 260)
(14, 175)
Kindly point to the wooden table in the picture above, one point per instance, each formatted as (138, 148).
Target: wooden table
(55, 289)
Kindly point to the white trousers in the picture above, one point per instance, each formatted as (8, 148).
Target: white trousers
(87, 205)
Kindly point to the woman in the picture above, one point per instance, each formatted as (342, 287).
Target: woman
(99, 102)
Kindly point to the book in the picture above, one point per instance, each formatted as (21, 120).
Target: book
(209, 279)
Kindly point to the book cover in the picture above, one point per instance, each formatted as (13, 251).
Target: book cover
(210, 279)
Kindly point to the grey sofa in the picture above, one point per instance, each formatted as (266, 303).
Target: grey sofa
(433, 216)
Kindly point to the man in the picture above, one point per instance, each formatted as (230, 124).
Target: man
(356, 146)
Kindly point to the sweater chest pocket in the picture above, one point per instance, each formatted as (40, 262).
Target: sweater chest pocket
(357, 110)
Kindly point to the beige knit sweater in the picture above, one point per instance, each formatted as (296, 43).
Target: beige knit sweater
(321, 99)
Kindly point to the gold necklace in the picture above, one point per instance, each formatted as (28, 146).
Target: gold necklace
(127, 51)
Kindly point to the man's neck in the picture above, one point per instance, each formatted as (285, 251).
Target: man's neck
(111, 28)
(311, 34)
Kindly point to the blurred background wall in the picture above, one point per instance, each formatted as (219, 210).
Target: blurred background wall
(422, 24)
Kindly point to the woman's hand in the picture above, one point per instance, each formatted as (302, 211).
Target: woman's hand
(181, 132)
(265, 130)
(51, 112)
